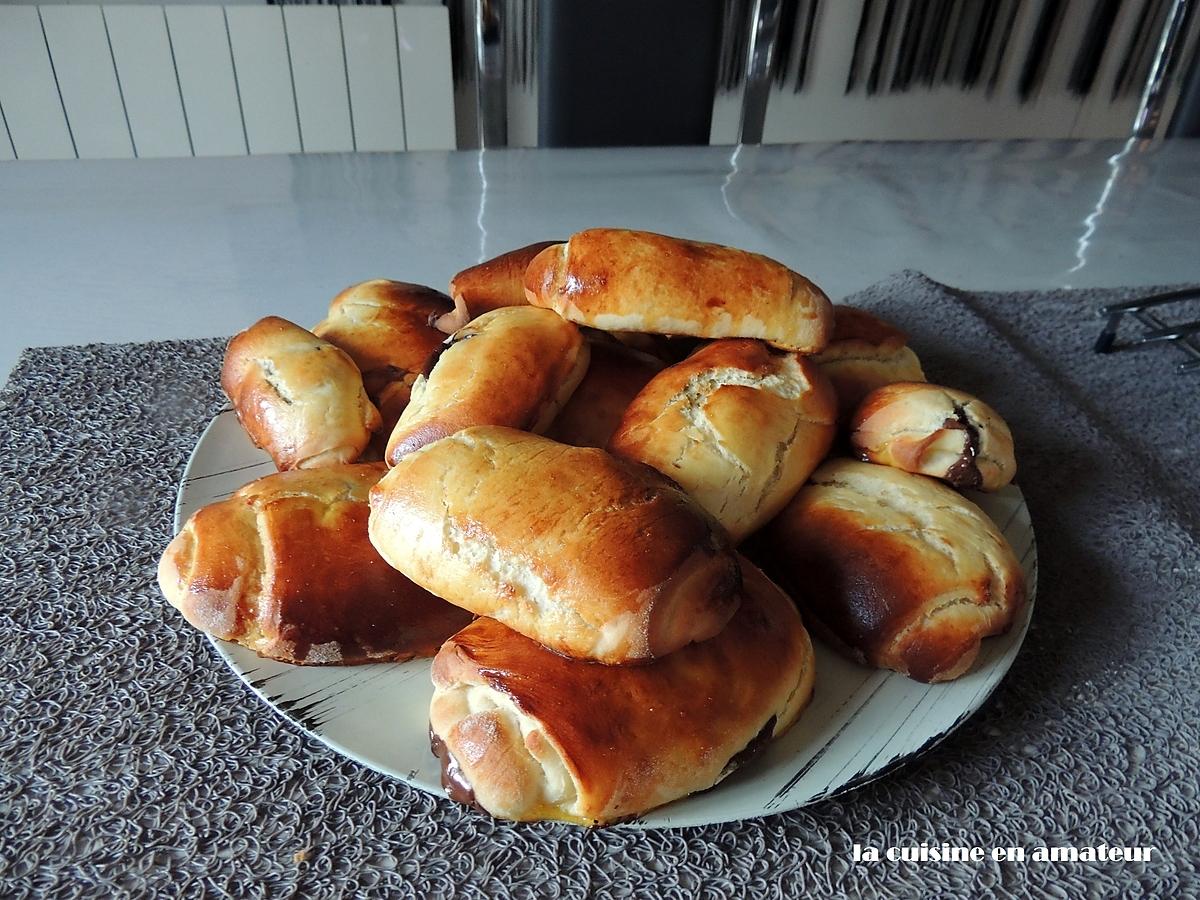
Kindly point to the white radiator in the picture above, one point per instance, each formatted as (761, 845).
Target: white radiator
(120, 81)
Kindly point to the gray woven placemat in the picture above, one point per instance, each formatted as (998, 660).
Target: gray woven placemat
(133, 762)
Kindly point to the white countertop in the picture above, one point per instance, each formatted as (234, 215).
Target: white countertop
(130, 250)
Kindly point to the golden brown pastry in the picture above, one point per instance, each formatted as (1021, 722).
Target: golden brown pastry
(865, 353)
(935, 431)
(515, 366)
(386, 328)
(897, 570)
(285, 567)
(595, 557)
(527, 734)
(492, 284)
(614, 376)
(618, 280)
(299, 398)
(737, 425)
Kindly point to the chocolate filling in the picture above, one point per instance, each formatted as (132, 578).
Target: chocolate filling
(457, 787)
(756, 746)
(456, 338)
(965, 472)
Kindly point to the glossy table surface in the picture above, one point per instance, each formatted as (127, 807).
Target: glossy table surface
(131, 250)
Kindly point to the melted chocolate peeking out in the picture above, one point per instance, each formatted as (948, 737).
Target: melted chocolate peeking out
(442, 348)
(457, 787)
(965, 472)
(757, 744)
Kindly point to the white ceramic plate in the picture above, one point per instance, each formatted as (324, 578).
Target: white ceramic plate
(861, 724)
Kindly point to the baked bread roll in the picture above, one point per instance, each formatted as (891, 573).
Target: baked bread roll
(525, 733)
(618, 280)
(737, 425)
(285, 567)
(935, 431)
(492, 284)
(865, 353)
(386, 328)
(594, 557)
(515, 366)
(299, 398)
(614, 377)
(895, 569)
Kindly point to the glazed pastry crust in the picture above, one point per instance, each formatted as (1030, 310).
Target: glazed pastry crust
(299, 398)
(618, 280)
(595, 557)
(514, 367)
(285, 568)
(493, 284)
(737, 425)
(539, 736)
(866, 352)
(901, 572)
(386, 328)
(936, 431)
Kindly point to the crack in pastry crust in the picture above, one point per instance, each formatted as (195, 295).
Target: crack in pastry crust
(514, 367)
(299, 397)
(737, 425)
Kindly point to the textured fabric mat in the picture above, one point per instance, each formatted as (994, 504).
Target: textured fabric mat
(132, 761)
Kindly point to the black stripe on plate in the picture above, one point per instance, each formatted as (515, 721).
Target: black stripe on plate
(258, 683)
(195, 478)
(903, 722)
(812, 761)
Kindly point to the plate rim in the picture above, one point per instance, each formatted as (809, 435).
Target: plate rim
(1018, 631)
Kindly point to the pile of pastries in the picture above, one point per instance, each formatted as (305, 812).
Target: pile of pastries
(554, 481)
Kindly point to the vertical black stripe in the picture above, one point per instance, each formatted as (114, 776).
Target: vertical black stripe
(1038, 58)
(7, 132)
(187, 125)
(1014, 7)
(979, 47)
(1091, 50)
(400, 80)
(810, 19)
(860, 40)
(960, 44)
(786, 41)
(54, 72)
(117, 76)
(907, 57)
(882, 43)
(346, 75)
(287, 46)
(237, 87)
(931, 42)
(945, 48)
